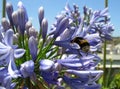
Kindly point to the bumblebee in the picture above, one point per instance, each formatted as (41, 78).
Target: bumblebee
(84, 45)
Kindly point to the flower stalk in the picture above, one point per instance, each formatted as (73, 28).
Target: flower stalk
(104, 55)
(3, 8)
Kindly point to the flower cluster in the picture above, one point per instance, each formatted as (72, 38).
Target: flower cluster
(63, 57)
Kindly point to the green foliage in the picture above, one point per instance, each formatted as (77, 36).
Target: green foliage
(115, 84)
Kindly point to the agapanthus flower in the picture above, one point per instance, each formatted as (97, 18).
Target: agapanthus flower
(27, 69)
(90, 32)
(63, 24)
(77, 36)
(6, 79)
(82, 63)
(84, 79)
(48, 71)
(8, 52)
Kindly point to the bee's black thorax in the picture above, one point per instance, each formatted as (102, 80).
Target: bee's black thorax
(84, 45)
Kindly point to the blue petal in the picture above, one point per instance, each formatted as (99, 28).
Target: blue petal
(2, 46)
(93, 86)
(74, 83)
(3, 73)
(27, 68)
(46, 65)
(9, 37)
(67, 8)
(2, 87)
(7, 82)
(12, 69)
(4, 56)
(85, 73)
(3, 50)
(19, 53)
(61, 27)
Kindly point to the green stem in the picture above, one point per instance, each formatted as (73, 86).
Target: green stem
(3, 8)
(23, 43)
(104, 65)
(104, 55)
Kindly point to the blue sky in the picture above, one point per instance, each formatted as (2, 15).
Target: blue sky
(54, 7)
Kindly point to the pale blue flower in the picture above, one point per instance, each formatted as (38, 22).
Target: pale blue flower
(75, 83)
(84, 63)
(61, 27)
(8, 52)
(7, 49)
(27, 69)
(47, 71)
(6, 79)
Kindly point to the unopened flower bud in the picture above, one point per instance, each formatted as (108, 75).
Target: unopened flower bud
(27, 68)
(15, 37)
(15, 18)
(21, 20)
(33, 47)
(44, 27)
(27, 26)
(5, 24)
(9, 10)
(40, 14)
(21, 6)
(32, 32)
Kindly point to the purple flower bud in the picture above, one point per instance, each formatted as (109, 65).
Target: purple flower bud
(20, 5)
(21, 20)
(44, 27)
(5, 24)
(9, 10)
(61, 26)
(27, 68)
(27, 26)
(15, 37)
(33, 47)
(15, 18)
(32, 32)
(85, 9)
(40, 14)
